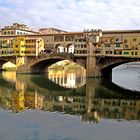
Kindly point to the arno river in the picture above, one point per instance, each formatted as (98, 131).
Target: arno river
(64, 105)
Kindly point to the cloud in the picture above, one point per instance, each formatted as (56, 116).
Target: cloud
(72, 15)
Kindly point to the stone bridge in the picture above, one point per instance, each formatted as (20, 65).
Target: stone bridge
(96, 66)
(6, 59)
(102, 66)
(41, 63)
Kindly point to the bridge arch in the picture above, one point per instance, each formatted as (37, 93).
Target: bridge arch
(4, 60)
(41, 66)
(41, 63)
(59, 48)
(70, 48)
(110, 63)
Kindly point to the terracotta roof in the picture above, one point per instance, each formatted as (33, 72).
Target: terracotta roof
(73, 33)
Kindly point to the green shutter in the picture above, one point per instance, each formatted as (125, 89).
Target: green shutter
(126, 53)
(117, 45)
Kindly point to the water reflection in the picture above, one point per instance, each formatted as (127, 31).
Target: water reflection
(127, 76)
(69, 78)
(9, 76)
(96, 100)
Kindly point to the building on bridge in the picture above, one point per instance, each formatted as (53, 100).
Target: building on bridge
(98, 54)
(24, 46)
(50, 31)
(112, 43)
(21, 46)
(17, 29)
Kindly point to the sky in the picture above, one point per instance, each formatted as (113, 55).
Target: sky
(72, 15)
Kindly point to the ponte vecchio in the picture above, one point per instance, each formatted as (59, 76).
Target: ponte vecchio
(96, 50)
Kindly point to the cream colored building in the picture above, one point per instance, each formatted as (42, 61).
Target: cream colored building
(16, 29)
(50, 31)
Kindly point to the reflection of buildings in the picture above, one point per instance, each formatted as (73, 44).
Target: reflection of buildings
(114, 108)
(33, 100)
(9, 76)
(68, 78)
(100, 108)
(91, 106)
(18, 99)
(77, 105)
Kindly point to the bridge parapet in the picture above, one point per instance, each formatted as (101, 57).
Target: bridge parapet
(47, 56)
(68, 56)
(32, 61)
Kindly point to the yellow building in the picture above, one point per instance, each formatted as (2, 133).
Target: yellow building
(21, 46)
(6, 48)
(34, 46)
(33, 100)
(28, 46)
(18, 101)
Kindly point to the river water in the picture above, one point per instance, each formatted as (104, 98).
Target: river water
(64, 105)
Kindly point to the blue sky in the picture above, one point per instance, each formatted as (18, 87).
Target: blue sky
(72, 15)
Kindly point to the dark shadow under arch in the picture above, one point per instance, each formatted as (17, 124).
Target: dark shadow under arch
(1, 63)
(107, 66)
(42, 66)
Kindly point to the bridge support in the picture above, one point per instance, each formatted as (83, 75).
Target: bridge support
(93, 69)
(90, 94)
(91, 110)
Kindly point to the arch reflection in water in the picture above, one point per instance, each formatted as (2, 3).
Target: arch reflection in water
(69, 78)
(9, 76)
(127, 76)
(94, 101)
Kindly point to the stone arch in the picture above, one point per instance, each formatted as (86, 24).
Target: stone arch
(110, 63)
(59, 48)
(7, 59)
(42, 65)
(70, 48)
(2, 62)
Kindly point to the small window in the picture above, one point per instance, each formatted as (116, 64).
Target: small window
(117, 45)
(107, 45)
(117, 39)
(134, 39)
(125, 40)
(12, 32)
(126, 46)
